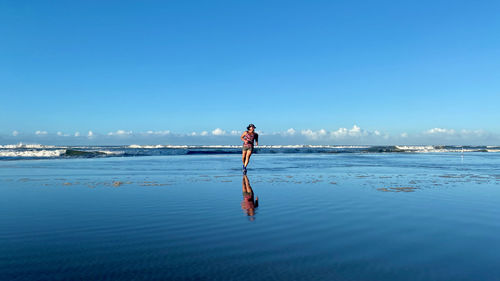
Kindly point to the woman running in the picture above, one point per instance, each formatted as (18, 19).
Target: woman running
(248, 137)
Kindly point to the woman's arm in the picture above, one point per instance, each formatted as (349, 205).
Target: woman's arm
(242, 135)
(256, 139)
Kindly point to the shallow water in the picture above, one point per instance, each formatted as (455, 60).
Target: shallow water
(319, 217)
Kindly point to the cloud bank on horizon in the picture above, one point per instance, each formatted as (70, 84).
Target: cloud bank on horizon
(355, 135)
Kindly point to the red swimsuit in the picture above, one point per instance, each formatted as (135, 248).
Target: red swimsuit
(249, 139)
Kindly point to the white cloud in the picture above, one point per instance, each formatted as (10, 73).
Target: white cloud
(120, 133)
(218, 132)
(474, 133)
(290, 132)
(353, 135)
(440, 131)
(450, 134)
(357, 135)
(160, 133)
(355, 131)
(314, 134)
(341, 134)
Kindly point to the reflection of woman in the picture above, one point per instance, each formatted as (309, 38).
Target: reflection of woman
(248, 137)
(248, 204)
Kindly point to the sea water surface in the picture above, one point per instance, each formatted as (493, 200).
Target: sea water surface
(312, 216)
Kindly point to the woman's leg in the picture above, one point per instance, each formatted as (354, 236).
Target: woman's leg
(246, 184)
(243, 156)
(247, 158)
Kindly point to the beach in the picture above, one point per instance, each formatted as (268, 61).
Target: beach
(320, 216)
(249, 140)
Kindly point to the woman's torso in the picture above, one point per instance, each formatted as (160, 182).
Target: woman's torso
(249, 137)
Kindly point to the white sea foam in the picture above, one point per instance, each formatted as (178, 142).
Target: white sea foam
(23, 145)
(321, 146)
(214, 146)
(430, 148)
(238, 146)
(419, 148)
(415, 147)
(107, 152)
(146, 146)
(32, 153)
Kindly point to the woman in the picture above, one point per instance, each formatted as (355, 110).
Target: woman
(248, 137)
(249, 204)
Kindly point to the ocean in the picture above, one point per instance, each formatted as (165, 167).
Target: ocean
(301, 213)
(37, 151)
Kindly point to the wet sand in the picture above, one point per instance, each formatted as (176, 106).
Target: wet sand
(321, 217)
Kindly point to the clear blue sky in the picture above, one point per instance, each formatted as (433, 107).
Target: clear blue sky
(183, 66)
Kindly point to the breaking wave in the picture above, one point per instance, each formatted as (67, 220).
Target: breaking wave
(37, 151)
(32, 153)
